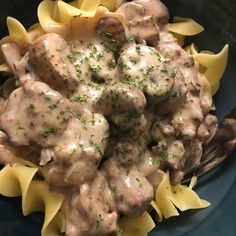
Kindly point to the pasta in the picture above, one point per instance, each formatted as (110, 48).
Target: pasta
(19, 180)
(184, 27)
(139, 226)
(82, 90)
(53, 16)
(168, 198)
(213, 65)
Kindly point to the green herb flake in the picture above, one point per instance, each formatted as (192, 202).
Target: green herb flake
(54, 105)
(81, 147)
(50, 131)
(77, 16)
(96, 147)
(98, 221)
(43, 53)
(138, 50)
(122, 65)
(73, 56)
(164, 69)
(31, 108)
(111, 65)
(150, 70)
(80, 98)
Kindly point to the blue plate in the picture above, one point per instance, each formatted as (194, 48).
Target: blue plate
(219, 186)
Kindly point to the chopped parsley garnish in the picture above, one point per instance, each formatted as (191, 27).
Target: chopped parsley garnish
(80, 98)
(73, 56)
(164, 69)
(96, 147)
(138, 50)
(43, 53)
(122, 65)
(111, 65)
(150, 70)
(54, 105)
(98, 221)
(50, 131)
(31, 108)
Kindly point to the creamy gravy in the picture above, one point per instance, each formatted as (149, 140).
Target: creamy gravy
(103, 126)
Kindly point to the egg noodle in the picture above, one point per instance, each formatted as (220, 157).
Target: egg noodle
(60, 17)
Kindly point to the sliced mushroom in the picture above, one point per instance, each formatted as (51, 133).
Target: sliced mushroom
(146, 68)
(156, 9)
(112, 30)
(18, 63)
(140, 27)
(49, 57)
(132, 192)
(119, 98)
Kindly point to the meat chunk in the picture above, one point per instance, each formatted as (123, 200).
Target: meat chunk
(77, 153)
(12, 55)
(141, 27)
(176, 176)
(187, 119)
(112, 31)
(92, 211)
(124, 106)
(207, 128)
(18, 63)
(156, 9)
(150, 165)
(147, 69)
(193, 154)
(94, 61)
(121, 98)
(36, 113)
(7, 153)
(127, 152)
(49, 57)
(133, 193)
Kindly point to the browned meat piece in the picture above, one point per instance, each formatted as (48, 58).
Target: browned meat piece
(112, 31)
(12, 55)
(187, 119)
(121, 98)
(91, 212)
(7, 153)
(174, 155)
(129, 123)
(127, 153)
(176, 98)
(35, 113)
(49, 57)
(144, 67)
(145, 31)
(140, 26)
(78, 151)
(133, 193)
(207, 128)
(176, 176)
(156, 9)
(2, 105)
(193, 154)
(18, 63)
(150, 165)
(124, 106)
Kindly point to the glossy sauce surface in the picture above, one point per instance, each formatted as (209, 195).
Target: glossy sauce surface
(106, 121)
